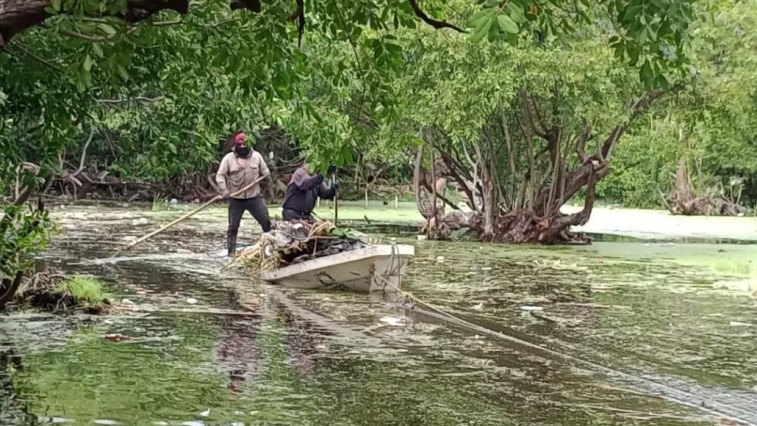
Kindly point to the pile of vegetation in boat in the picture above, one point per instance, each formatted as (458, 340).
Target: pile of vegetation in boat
(293, 242)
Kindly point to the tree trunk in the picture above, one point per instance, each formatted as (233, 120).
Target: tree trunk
(8, 289)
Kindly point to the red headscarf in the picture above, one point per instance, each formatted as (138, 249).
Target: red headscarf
(240, 138)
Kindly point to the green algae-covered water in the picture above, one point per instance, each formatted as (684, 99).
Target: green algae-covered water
(617, 333)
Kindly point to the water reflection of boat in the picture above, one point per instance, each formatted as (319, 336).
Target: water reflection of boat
(373, 268)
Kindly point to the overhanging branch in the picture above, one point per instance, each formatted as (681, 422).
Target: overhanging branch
(431, 21)
(87, 37)
(639, 107)
(299, 16)
(136, 98)
(253, 5)
(19, 15)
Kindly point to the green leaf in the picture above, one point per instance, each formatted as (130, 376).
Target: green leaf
(87, 63)
(80, 85)
(506, 24)
(479, 18)
(516, 12)
(107, 29)
(472, 22)
(56, 6)
(631, 14)
(646, 75)
(97, 50)
(662, 82)
(493, 32)
(482, 31)
(122, 71)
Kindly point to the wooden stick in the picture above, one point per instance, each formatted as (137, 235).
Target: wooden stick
(336, 202)
(192, 213)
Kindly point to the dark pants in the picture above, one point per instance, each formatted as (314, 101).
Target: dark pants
(257, 208)
(289, 214)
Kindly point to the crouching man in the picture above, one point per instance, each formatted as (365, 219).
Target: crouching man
(303, 191)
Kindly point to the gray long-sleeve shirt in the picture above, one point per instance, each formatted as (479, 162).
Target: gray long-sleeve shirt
(235, 173)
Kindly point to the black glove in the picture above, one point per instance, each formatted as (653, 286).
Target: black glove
(335, 185)
(332, 168)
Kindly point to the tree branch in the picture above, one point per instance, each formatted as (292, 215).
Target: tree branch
(25, 51)
(84, 152)
(87, 37)
(431, 21)
(640, 107)
(167, 23)
(19, 15)
(299, 16)
(253, 5)
(580, 143)
(137, 98)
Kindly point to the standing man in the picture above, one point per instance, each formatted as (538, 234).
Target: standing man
(303, 191)
(239, 168)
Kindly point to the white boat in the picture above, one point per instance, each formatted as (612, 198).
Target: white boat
(373, 268)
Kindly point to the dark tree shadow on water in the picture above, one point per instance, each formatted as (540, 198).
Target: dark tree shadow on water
(14, 408)
(238, 350)
(302, 339)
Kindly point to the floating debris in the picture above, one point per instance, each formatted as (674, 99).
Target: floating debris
(191, 300)
(115, 337)
(393, 321)
(531, 308)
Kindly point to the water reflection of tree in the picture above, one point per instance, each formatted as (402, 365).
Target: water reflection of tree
(240, 350)
(302, 339)
(237, 348)
(14, 409)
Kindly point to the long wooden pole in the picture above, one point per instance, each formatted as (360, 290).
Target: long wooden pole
(192, 213)
(336, 201)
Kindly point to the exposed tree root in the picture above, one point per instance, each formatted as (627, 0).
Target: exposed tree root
(686, 202)
(523, 227)
(516, 227)
(708, 206)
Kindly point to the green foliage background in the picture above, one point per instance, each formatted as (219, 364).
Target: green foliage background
(348, 92)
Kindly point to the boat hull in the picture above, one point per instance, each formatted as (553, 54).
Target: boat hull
(375, 268)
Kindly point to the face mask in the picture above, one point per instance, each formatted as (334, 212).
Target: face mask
(242, 151)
